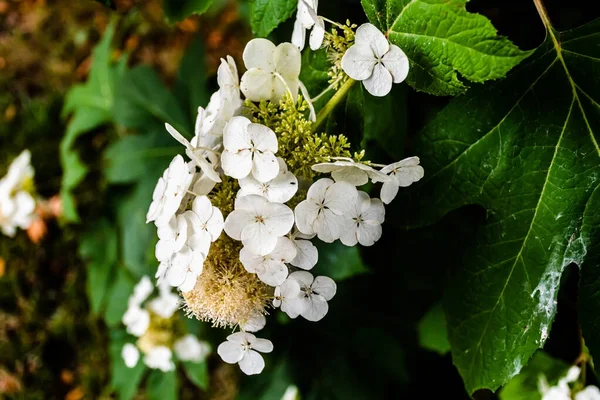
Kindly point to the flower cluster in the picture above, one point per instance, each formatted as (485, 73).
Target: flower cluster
(566, 388)
(237, 222)
(17, 204)
(152, 322)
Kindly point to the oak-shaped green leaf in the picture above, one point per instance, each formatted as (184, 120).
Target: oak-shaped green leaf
(266, 15)
(526, 149)
(441, 40)
(90, 105)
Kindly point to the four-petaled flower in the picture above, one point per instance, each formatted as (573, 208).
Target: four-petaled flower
(364, 221)
(205, 222)
(249, 147)
(312, 298)
(172, 237)
(373, 60)
(242, 348)
(279, 189)
(189, 348)
(403, 173)
(324, 210)
(270, 268)
(348, 170)
(271, 70)
(258, 223)
(286, 295)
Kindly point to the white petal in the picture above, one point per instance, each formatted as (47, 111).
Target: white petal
(329, 226)
(264, 166)
(203, 208)
(230, 352)
(251, 262)
(262, 345)
(241, 337)
(262, 137)
(349, 236)
(307, 254)
(189, 348)
(389, 190)
(254, 324)
(274, 273)
(236, 221)
(285, 250)
(317, 35)
(215, 224)
(341, 197)
(315, 309)
(299, 34)
(324, 286)
(380, 83)
(142, 290)
(305, 279)
(235, 134)
(258, 84)
(397, 63)
(375, 213)
(405, 176)
(318, 189)
(358, 62)
(278, 218)
(236, 165)
(284, 186)
(305, 215)
(287, 59)
(370, 35)
(130, 354)
(160, 358)
(351, 175)
(259, 54)
(259, 239)
(252, 363)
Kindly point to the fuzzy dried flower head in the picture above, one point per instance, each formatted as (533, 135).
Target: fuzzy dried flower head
(225, 294)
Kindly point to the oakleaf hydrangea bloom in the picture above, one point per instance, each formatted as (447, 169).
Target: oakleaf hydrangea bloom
(374, 61)
(17, 204)
(249, 147)
(403, 174)
(238, 223)
(153, 321)
(272, 70)
(565, 389)
(306, 18)
(242, 348)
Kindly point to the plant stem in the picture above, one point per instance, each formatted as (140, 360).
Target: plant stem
(333, 102)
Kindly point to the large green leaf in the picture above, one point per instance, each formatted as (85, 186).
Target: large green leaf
(162, 385)
(265, 15)
(197, 373)
(190, 88)
(176, 10)
(526, 149)
(90, 105)
(441, 40)
(123, 380)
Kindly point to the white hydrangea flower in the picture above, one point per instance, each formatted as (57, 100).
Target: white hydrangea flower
(347, 170)
(204, 158)
(561, 391)
(278, 190)
(160, 357)
(141, 291)
(268, 68)
(136, 320)
(313, 296)
(589, 393)
(19, 173)
(189, 348)
(270, 268)
(169, 191)
(258, 223)
(130, 355)
(403, 174)
(254, 324)
(307, 255)
(183, 268)
(242, 348)
(205, 222)
(229, 82)
(306, 18)
(17, 206)
(249, 147)
(323, 212)
(374, 61)
(166, 303)
(172, 237)
(286, 296)
(364, 221)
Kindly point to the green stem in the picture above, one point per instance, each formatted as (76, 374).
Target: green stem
(333, 102)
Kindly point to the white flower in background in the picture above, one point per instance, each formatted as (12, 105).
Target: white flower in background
(364, 221)
(249, 147)
(204, 158)
(254, 324)
(324, 210)
(166, 303)
(258, 223)
(205, 222)
(169, 191)
(403, 174)
(160, 357)
(270, 69)
(307, 254)
(172, 237)
(313, 296)
(291, 393)
(270, 268)
(136, 320)
(347, 170)
(589, 393)
(561, 391)
(141, 291)
(130, 355)
(17, 206)
(278, 190)
(306, 18)
(242, 348)
(374, 61)
(286, 296)
(189, 348)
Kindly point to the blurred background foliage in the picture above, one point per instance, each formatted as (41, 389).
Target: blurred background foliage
(61, 300)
